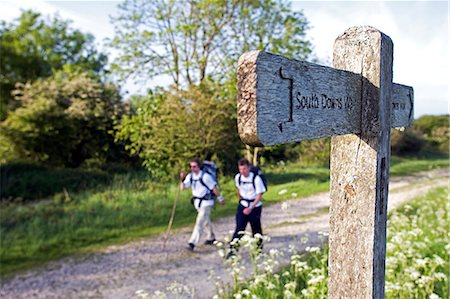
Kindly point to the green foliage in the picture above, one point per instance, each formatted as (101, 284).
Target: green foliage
(33, 47)
(407, 142)
(429, 135)
(63, 120)
(170, 128)
(428, 123)
(405, 166)
(196, 44)
(25, 181)
(436, 131)
(192, 40)
(308, 152)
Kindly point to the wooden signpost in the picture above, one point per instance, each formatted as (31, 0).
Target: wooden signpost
(283, 100)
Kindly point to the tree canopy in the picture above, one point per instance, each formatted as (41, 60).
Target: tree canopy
(34, 47)
(192, 39)
(63, 120)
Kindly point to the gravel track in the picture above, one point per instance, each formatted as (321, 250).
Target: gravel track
(119, 271)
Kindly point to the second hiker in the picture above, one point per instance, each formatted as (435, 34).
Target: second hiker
(250, 188)
(204, 192)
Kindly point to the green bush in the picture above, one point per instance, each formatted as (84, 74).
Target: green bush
(407, 142)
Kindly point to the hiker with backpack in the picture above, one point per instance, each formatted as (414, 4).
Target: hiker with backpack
(251, 185)
(203, 181)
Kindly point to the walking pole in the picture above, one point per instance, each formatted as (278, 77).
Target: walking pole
(172, 215)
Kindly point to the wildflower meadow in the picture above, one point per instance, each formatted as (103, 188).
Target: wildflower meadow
(417, 265)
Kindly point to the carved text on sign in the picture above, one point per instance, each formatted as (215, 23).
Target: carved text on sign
(323, 101)
(278, 96)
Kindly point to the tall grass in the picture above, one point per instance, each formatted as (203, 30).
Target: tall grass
(123, 207)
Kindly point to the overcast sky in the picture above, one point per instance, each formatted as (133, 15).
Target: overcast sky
(419, 30)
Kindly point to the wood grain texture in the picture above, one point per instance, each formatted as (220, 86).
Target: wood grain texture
(283, 100)
(246, 106)
(360, 171)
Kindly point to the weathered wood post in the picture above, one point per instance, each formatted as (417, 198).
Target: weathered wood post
(284, 100)
(359, 168)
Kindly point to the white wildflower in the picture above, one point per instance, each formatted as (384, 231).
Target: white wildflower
(325, 234)
(288, 294)
(414, 274)
(292, 248)
(316, 280)
(313, 249)
(424, 280)
(440, 276)
(290, 285)
(439, 261)
(421, 262)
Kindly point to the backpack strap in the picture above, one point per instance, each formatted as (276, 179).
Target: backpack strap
(253, 180)
(202, 181)
(212, 195)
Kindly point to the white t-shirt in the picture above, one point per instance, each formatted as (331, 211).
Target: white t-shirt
(198, 189)
(246, 189)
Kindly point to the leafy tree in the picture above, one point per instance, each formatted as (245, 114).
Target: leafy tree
(196, 44)
(170, 128)
(192, 39)
(33, 47)
(62, 120)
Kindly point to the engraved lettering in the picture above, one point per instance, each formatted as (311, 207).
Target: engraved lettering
(398, 106)
(307, 102)
(324, 102)
(348, 103)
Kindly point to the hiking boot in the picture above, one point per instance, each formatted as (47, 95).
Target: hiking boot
(190, 247)
(230, 255)
(210, 242)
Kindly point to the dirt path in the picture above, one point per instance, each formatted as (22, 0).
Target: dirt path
(120, 271)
